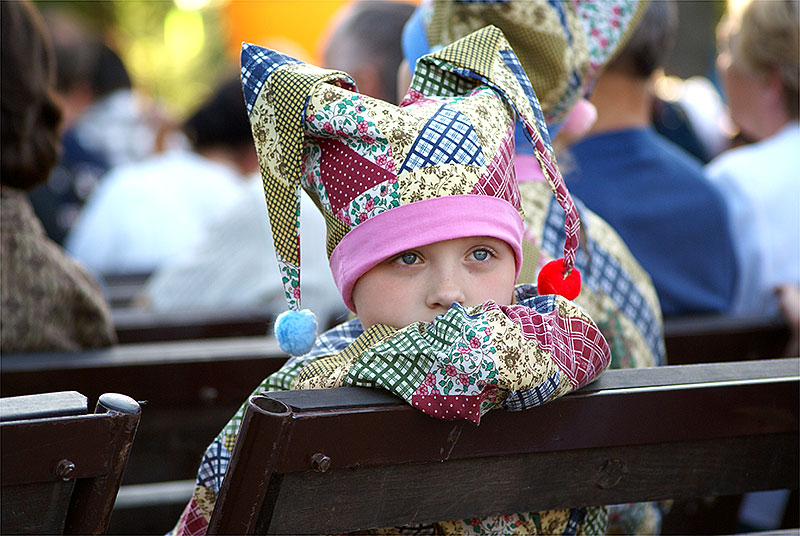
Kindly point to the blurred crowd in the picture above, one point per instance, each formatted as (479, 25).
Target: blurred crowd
(699, 180)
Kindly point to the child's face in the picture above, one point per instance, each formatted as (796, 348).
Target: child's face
(422, 283)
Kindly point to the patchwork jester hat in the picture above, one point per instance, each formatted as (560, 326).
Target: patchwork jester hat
(390, 178)
(561, 44)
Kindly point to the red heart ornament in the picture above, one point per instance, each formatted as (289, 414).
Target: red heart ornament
(553, 280)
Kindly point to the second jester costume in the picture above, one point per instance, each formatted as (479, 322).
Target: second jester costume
(388, 179)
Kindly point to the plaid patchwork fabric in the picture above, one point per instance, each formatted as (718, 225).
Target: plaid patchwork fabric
(398, 365)
(574, 342)
(500, 179)
(513, 63)
(576, 517)
(257, 64)
(596, 522)
(435, 77)
(192, 522)
(402, 361)
(213, 466)
(447, 137)
(602, 272)
(325, 365)
(528, 398)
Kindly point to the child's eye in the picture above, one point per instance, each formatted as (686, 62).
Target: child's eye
(407, 258)
(481, 254)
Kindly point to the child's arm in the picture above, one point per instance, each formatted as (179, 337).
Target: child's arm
(469, 361)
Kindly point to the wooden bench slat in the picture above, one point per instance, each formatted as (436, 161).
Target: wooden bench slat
(347, 499)
(60, 404)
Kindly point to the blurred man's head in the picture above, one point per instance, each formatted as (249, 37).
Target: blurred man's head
(366, 43)
(651, 43)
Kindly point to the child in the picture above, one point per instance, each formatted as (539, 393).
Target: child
(424, 239)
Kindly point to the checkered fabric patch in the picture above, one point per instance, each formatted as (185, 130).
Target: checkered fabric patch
(528, 398)
(213, 466)
(329, 343)
(231, 429)
(387, 366)
(575, 344)
(476, 52)
(500, 179)
(336, 231)
(353, 351)
(576, 517)
(257, 64)
(435, 77)
(447, 137)
(596, 521)
(606, 274)
(192, 522)
(512, 62)
(323, 366)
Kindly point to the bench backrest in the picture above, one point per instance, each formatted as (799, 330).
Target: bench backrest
(190, 388)
(134, 326)
(714, 339)
(61, 466)
(344, 459)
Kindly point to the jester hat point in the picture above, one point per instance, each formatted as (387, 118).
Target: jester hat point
(390, 178)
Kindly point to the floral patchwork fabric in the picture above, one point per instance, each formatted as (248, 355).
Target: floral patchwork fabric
(465, 363)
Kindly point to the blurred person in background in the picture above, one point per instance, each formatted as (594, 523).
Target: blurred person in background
(365, 43)
(233, 266)
(147, 212)
(760, 182)
(652, 192)
(106, 123)
(49, 302)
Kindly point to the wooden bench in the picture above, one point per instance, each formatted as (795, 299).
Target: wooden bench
(707, 339)
(329, 461)
(713, 339)
(191, 389)
(135, 325)
(123, 288)
(188, 389)
(61, 466)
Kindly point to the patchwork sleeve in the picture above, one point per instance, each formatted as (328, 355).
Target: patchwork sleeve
(471, 360)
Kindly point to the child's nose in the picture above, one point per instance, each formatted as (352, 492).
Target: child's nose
(444, 292)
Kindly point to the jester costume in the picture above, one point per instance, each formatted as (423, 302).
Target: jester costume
(388, 179)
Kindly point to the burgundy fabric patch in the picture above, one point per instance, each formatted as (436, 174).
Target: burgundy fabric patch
(500, 179)
(346, 174)
(449, 407)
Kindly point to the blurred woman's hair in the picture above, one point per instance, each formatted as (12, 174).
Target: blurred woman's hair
(30, 111)
(762, 37)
